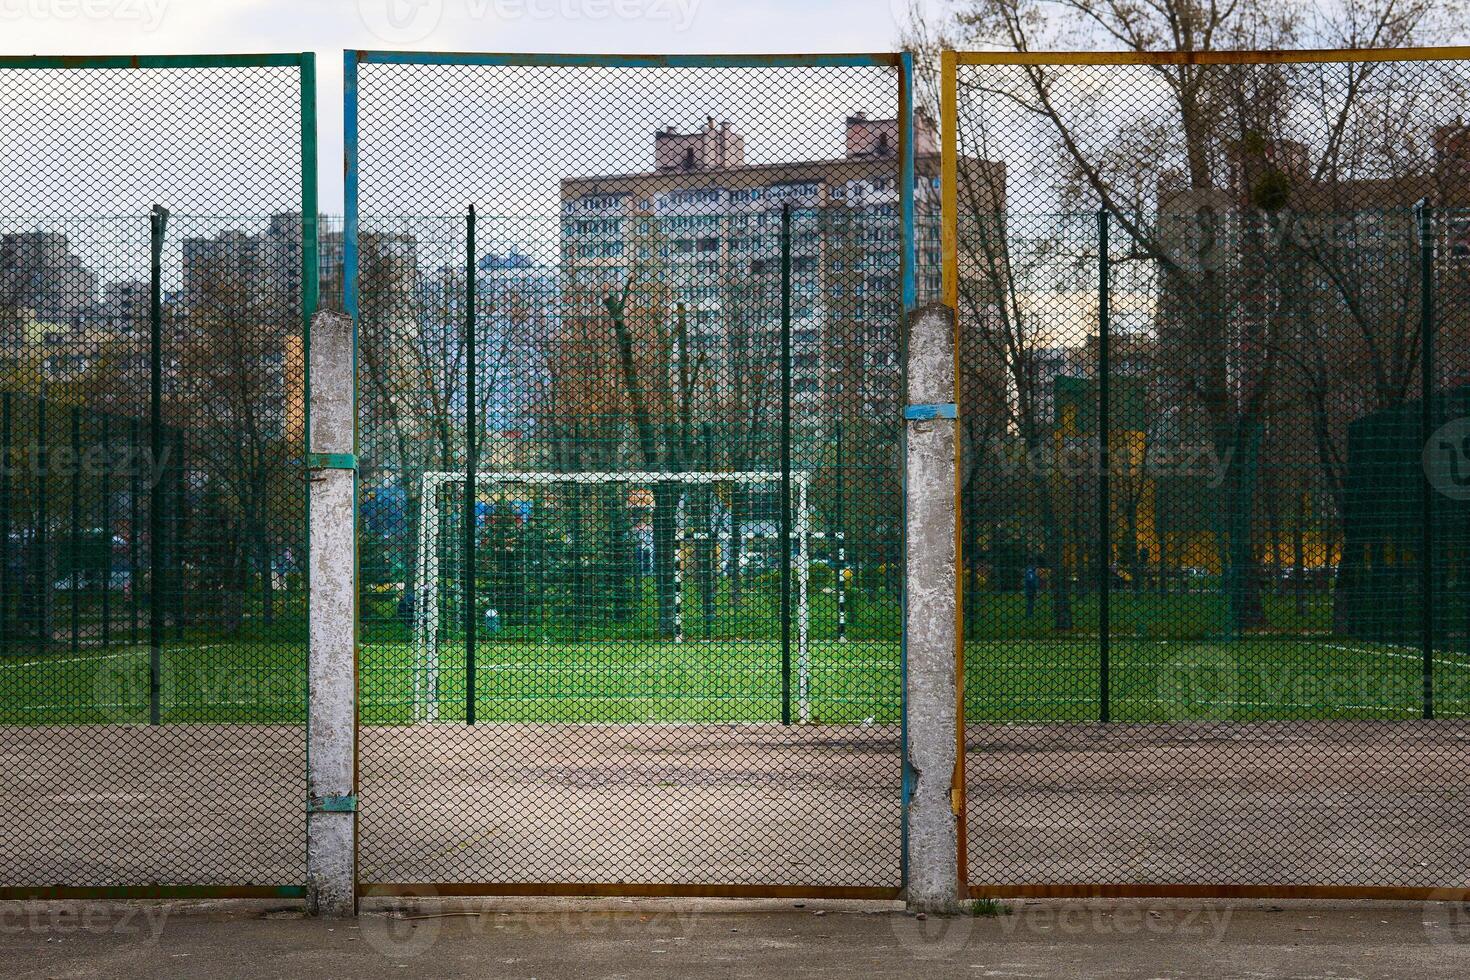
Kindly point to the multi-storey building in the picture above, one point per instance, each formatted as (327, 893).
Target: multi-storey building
(40, 272)
(701, 233)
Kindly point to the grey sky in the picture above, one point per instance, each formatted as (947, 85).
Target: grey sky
(328, 26)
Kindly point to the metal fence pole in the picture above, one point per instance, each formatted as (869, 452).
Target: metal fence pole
(106, 502)
(840, 536)
(74, 542)
(41, 540)
(176, 538)
(785, 531)
(1426, 424)
(471, 491)
(331, 824)
(1104, 477)
(6, 462)
(158, 226)
(134, 556)
(929, 611)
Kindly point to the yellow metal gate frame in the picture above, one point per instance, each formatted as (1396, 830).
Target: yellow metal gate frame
(950, 62)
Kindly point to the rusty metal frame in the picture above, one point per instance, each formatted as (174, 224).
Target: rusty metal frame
(1383, 893)
(627, 889)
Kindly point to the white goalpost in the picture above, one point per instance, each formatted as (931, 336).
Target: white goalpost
(431, 519)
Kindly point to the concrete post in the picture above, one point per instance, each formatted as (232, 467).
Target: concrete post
(331, 817)
(930, 445)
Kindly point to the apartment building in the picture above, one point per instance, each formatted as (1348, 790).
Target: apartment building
(701, 231)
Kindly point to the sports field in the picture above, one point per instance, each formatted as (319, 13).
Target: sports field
(603, 681)
(589, 758)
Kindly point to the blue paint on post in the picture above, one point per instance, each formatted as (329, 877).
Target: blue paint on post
(922, 413)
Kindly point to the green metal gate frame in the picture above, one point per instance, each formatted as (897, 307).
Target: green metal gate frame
(305, 62)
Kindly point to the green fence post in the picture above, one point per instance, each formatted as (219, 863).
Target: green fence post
(134, 555)
(785, 529)
(158, 225)
(840, 536)
(176, 537)
(106, 477)
(1426, 426)
(75, 538)
(5, 464)
(471, 491)
(1104, 477)
(39, 539)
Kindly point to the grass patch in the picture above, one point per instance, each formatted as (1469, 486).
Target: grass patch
(989, 908)
(263, 681)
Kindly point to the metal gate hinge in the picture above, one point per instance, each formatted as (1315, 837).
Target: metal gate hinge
(921, 413)
(331, 804)
(331, 461)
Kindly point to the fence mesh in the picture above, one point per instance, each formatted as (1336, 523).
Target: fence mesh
(152, 518)
(602, 567)
(1216, 553)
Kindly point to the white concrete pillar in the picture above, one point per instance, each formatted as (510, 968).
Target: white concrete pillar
(331, 819)
(930, 513)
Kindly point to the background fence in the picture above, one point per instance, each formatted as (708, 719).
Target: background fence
(152, 506)
(628, 325)
(1215, 539)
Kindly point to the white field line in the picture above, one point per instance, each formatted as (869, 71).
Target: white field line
(662, 699)
(624, 670)
(72, 660)
(1206, 704)
(143, 705)
(135, 652)
(1417, 657)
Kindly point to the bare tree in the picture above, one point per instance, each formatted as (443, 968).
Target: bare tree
(1191, 166)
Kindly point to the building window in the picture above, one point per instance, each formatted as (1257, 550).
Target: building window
(1459, 228)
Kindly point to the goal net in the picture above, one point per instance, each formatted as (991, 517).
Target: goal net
(603, 557)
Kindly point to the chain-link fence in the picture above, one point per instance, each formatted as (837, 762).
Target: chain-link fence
(153, 278)
(1216, 568)
(629, 502)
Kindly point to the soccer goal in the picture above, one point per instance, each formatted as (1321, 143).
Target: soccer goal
(754, 543)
